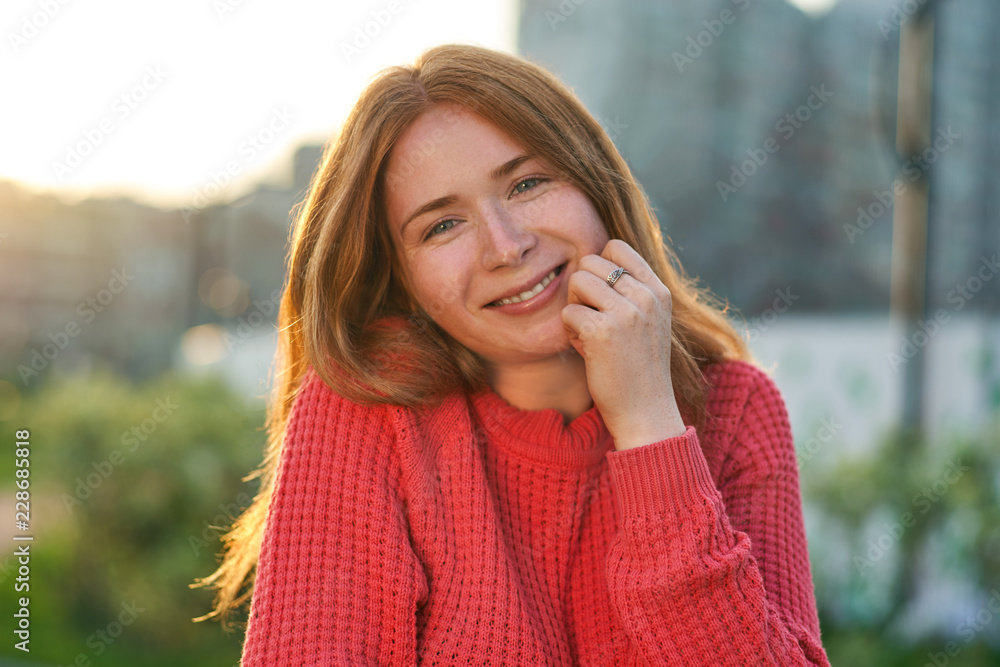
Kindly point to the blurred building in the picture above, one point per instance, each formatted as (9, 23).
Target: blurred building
(965, 201)
(115, 282)
(247, 238)
(99, 279)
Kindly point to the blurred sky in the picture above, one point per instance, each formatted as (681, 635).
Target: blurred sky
(166, 97)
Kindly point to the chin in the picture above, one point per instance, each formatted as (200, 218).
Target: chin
(555, 343)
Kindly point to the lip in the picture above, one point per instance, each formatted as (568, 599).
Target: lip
(534, 303)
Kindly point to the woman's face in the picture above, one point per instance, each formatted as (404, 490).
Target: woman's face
(487, 235)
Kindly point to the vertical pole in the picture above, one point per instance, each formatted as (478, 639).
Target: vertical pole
(910, 212)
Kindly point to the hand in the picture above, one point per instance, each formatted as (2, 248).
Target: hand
(623, 335)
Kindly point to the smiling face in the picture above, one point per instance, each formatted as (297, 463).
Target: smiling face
(486, 234)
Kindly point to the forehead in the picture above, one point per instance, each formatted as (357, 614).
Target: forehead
(442, 152)
(442, 127)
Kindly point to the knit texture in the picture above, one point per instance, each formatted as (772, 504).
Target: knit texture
(478, 533)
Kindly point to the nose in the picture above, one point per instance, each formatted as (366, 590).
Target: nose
(504, 242)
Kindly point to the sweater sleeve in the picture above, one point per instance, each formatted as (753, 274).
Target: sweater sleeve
(337, 582)
(689, 588)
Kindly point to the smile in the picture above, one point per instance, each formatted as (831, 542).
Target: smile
(534, 291)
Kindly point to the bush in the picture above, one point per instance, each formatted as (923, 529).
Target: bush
(907, 549)
(128, 487)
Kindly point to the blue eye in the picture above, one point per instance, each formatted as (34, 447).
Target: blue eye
(529, 182)
(440, 228)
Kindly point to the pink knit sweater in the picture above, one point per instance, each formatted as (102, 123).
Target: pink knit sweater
(478, 533)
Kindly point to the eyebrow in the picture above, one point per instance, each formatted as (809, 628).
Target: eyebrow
(507, 167)
(441, 202)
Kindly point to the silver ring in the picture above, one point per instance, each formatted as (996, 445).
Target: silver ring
(615, 275)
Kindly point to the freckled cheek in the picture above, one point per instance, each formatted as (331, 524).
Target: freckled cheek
(440, 292)
(573, 212)
(589, 226)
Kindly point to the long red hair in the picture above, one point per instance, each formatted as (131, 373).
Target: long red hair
(343, 281)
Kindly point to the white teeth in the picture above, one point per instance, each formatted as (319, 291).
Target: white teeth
(524, 296)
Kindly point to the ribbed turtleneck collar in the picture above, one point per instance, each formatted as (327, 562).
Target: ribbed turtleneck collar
(541, 436)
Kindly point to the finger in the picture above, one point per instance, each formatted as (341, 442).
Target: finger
(597, 265)
(584, 323)
(622, 254)
(617, 251)
(625, 285)
(633, 291)
(588, 288)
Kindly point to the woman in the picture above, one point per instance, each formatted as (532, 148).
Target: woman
(508, 429)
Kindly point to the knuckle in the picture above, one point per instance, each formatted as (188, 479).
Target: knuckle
(617, 244)
(647, 301)
(631, 319)
(659, 290)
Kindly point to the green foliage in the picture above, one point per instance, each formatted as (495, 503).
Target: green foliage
(900, 527)
(864, 648)
(128, 487)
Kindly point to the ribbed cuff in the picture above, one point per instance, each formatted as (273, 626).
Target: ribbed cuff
(662, 479)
